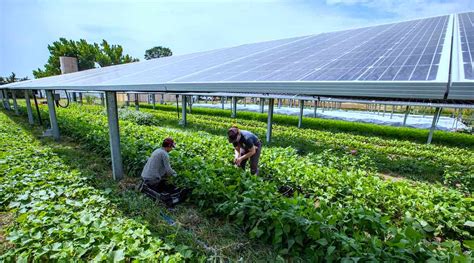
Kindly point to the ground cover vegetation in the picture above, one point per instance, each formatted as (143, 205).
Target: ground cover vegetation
(54, 214)
(335, 211)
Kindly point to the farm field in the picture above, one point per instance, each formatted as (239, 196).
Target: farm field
(356, 196)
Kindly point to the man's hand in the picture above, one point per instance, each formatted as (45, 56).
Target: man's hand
(237, 161)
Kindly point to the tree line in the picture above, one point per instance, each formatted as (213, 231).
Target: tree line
(89, 55)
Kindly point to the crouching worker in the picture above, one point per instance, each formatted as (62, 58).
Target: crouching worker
(247, 146)
(156, 173)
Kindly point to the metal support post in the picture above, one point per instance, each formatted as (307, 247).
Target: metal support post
(190, 103)
(3, 98)
(37, 108)
(407, 111)
(315, 108)
(153, 100)
(262, 105)
(136, 102)
(384, 110)
(222, 101)
(127, 102)
(80, 98)
(15, 105)
(270, 119)
(162, 101)
(28, 107)
(234, 107)
(102, 99)
(7, 101)
(300, 120)
(114, 135)
(52, 114)
(433, 124)
(391, 114)
(74, 97)
(183, 110)
(279, 103)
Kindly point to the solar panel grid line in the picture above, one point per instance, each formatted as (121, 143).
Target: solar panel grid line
(290, 55)
(439, 67)
(403, 72)
(466, 59)
(470, 42)
(419, 59)
(353, 48)
(387, 52)
(240, 58)
(160, 66)
(401, 43)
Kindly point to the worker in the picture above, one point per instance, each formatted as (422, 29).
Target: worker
(158, 169)
(246, 146)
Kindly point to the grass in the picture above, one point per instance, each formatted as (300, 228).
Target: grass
(211, 238)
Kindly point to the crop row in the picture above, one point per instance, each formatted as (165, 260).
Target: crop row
(450, 165)
(58, 216)
(349, 213)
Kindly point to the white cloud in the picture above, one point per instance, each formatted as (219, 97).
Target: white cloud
(410, 8)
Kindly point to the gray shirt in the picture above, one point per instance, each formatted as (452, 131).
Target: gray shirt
(158, 165)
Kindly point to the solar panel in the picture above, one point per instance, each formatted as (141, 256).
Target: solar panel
(400, 60)
(400, 51)
(466, 32)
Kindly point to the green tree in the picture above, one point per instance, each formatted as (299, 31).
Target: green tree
(87, 55)
(111, 55)
(158, 52)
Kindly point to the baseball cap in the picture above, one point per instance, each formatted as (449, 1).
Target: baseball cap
(232, 134)
(168, 142)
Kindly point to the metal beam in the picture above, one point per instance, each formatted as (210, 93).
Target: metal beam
(183, 110)
(114, 135)
(190, 103)
(15, 104)
(52, 115)
(315, 108)
(7, 101)
(433, 124)
(270, 119)
(137, 107)
(300, 120)
(234, 108)
(28, 107)
(3, 98)
(407, 111)
(262, 105)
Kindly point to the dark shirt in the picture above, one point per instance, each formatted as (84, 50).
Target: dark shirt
(247, 140)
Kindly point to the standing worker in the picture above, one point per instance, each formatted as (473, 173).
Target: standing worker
(246, 146)
(157, 169)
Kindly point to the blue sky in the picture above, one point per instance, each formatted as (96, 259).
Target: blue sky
(27, 27)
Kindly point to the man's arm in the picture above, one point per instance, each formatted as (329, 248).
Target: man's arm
(166, 163)
(251, 152)
(236, 152)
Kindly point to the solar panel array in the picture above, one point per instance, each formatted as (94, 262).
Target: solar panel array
(402, 51)
(400, 60)
(466, 32)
